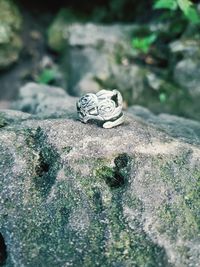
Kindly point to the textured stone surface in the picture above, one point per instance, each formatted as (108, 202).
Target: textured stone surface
(186, 72)
(10, 41)
(78, 195)
(184, 129)
(45, 101)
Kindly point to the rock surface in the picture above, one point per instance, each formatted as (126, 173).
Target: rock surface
(10, 26)
(186, 71)
(78, 195)
(184, 129)
(45, 101)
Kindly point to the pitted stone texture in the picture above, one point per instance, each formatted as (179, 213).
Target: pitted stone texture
(79, 195)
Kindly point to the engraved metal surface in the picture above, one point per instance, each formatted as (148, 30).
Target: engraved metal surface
(105, 107)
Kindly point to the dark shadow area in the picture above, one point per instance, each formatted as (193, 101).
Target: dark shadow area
(3, 251)
(118, 175)
(108, 11)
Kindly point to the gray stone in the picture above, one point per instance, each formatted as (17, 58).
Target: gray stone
(10, 26)
(187, 75)
(188, 47)
(91, 52)
(84, 65)
(186, 72)
(45, 101)
(130, 80)
(74, 194)
(89, 34)
(177, 127)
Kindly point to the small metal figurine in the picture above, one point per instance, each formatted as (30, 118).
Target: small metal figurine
(104, 107)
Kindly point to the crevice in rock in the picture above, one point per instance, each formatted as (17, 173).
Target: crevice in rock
(111, 176)
(3, 250)
(118, 175)
(140, 248)
(48, 161)
(122, 160)
(3, 122)
(43, 167)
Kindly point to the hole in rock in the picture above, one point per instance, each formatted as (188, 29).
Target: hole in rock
(122, 161)
(112, 177)
(118, 175)
(3, 252)
(43, 166)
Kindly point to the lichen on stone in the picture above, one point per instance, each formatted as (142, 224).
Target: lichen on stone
(75, 194)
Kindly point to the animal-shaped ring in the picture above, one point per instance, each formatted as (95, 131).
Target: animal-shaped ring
(104, 107)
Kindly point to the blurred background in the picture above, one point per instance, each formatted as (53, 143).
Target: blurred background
(148, 50)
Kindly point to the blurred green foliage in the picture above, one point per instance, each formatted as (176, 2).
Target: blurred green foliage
(143, 44)
(186, 6)
(178, 22)
(162, 97)
(47, 76)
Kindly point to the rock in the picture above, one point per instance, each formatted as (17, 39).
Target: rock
(10, 26)
(187, 75)
(45, 101)
(186, 72)
(96, 57)
(91, 51)
(131, 81)
(181, 128)
(87, 84)
(94, 52)
(74, 194)
(84, 65)
(86, 34)
(188, 47)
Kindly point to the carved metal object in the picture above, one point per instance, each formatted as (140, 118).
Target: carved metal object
(105, 107)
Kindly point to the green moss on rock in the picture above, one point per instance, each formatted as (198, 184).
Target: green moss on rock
(57, 34)
(178, 213)
(58, 207)
(3, 121)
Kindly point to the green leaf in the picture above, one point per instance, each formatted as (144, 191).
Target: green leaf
(189, 10)
(47, 76)
(143, 44)
(193, 15)
(162, 97)
(184, 5)
(168, 4)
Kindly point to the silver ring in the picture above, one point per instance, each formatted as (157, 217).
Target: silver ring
(104, 107)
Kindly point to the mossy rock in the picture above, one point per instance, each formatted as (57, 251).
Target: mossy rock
(10, 27)
(77, 194)
(57, 32)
